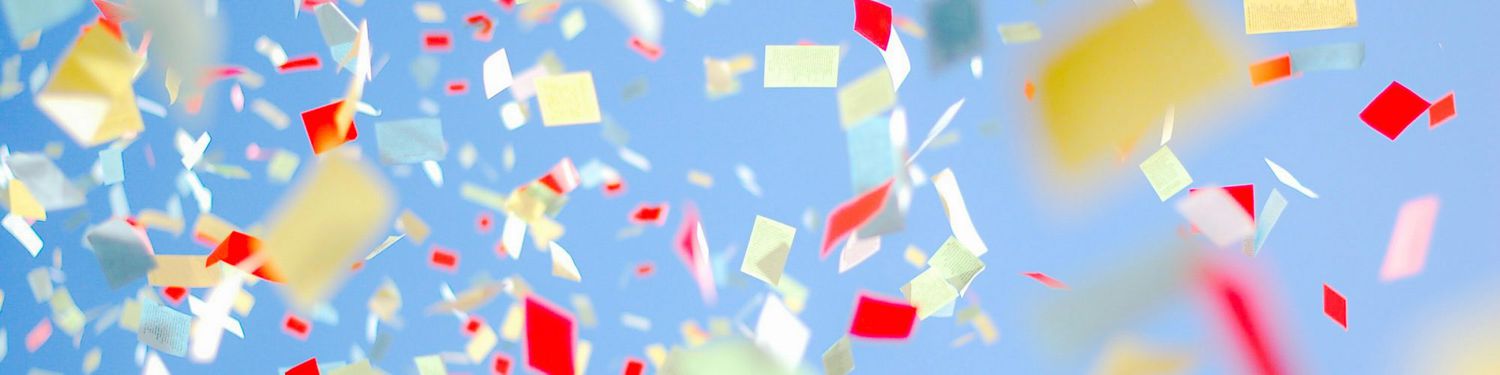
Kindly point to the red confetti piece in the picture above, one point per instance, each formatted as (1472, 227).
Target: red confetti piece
(1393, 110)
(852, 214)
(437, 41)
(634, 366)
(1335, 306)
(500, 364)
(309, 4)
(322, 129)
(882, 318)
(472, 325)
(174, 294)
(485, 222)
(309, 367)
(650, 214)
(296, 327)
(1239, 308)
(457, 87)
(872, 20)
(684, 239)
(650, 50)
(238, 247)
(1270, 70)
(644, 270)
(38, 335)
(1243, 194)
(614, 188)
(484, 26)
(562, 178)
(113, 12)
(549, 338)
(507, 4)
(300, 64)
(1030, 90)
(444, 259)
(1046, 280)
(1441, 111)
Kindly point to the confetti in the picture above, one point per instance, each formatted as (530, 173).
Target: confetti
(1393, 110)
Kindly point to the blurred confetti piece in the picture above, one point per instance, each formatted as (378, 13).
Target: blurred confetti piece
(866, 97)
(1407, 252)
(850, 215)
(1235, 297)
(1165, 173)
(1334, 306)
(781, 334)
(38, 335)
(1129, 355)
(876, 317)
(23, 233)
(872, 20)
(1218, 215)
(915, 257)
(164, 329)
(700, 179)
(801, 66)
(572, 24)
(1046, 280)
(1019, 33)
(765, 256)
(1275, 16)
(1333, 56)
(839, 358)
(958, 212)
(1393, 110)
(90, 96)
(937, 128)
(562, 264)
(1287, 179)
(1441, 111)
(1270, 70)
(1242, 194)
(443, 259)
(1167, 124)
(747, 179)
(323, 130)
(567, 99)
(411, 140)
(856, 250)
(549, 338)
(1269, 214)
(497, 74)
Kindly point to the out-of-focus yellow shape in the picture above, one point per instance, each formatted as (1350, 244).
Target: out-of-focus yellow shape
(414, 227)
(159, 220)
(693, 334)
(335, 213)
(1126, 355)
(430, 365)
(801, 66)
(1274, 16)
(562, 264)
(185, 271)
(567, 99)
(515, 320)
(90, 95)
(700, 179)
(211, 229)
(793, 293)
(65, 313)
(243, 303)
(581, 353)
(866, 97)
(722, 76)
(657, 354)
(386, 302)
(1166, 174)
(1101, 93)
(915, 257)
(91, 361)
(23, 203)
(362, 367)
(481, 344)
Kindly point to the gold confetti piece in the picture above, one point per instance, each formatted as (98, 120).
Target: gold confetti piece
(567, 99)
(90, 96)
(1275, 16)
(866, 97)
(186, 271)
(700, 179)
(1165, 173)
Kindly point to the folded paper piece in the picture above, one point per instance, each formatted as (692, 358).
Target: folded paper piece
(90, 96)
(1166, 174)
(850, 215)
(1289, 180)
(1018, 33)
(1334, 56)
(549, 338)
(123, 251)
(801, 66)
(770, 243)
(1407, 252)
(877, 317)
(338, 33)
(323, 130)
(1107, 88)
(958, 212)
(897, 63)
(334, 214)
(27, 17)
(780, 334)
(957, 264)
(567, 99)
(497, 75)
(23, 233)
(45, 181)
(872, 20)
(839, 358)
(1269, 214)
(562, 264)
(866, 97)
(411, 141)
(1274, 16)
(930, 291)
(1441, 111)
(1270, 70)
(1218, 215)
(1335, 307)
(1393, 110)
(236, 249)
(1046, 280)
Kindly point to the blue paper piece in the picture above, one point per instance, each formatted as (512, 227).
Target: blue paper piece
(28, 16)
(164, 329)
(122, 252)
(113, 166)
(1336, 56)
(410, 141)
(872, 154)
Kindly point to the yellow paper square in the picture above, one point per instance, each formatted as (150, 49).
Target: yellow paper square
(23, 203)
(567, 99)
(185, 271)
(334, 214)
(1274, 16)
(765, 256)
(802, 66)
(1166, 173)
(481, 344)
(90, 95)
(867, 96)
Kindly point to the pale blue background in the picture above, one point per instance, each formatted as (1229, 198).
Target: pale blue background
(791, 138)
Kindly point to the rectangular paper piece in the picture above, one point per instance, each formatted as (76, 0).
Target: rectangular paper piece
(1335, 56)
(567, 99)
(1218, 215)
(336, 213)
(802, 66)
(1166, 174)
(866, 97)
(410, 141)
(1408, 248)
(1275, 16)
(770, 243)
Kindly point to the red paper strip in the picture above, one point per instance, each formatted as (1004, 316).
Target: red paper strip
(1270, 70)
(500, 364)
(650, 214)
(614, 188)
(1335, 306)
(174, 294)
(437, 41)
(650, 50)
(684, 239)
(645, 269)
(1441, 111)
(1046, 280)
(484, 26)
(882, 318)
(38, 335)
(323, 130)
(634, 366)
(562, 178)
(444, 259)
(549, 338)
(457, 87)
(1393, 110)
(304, 63)
(872, 20)
(296, 327)
(236, 248)
(309, 367)
(852, 214)
(1240, 310)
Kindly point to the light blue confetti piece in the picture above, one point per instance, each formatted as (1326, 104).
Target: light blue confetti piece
(410, 141)
(1336, 56)
(164, 329)
(113, 166)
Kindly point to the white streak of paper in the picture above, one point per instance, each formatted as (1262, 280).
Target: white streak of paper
(513, 236)
(635, 160)
(942, 124)
(781, 334)
(434, 172)
(1290, 181)
(857, 250)
(958, 213)
(1166, 125)
(497, 75)
(17, 227)
(1266, 221)
(747, 179)
(896, 61)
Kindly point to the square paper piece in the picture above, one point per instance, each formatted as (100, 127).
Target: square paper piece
(567, 99)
